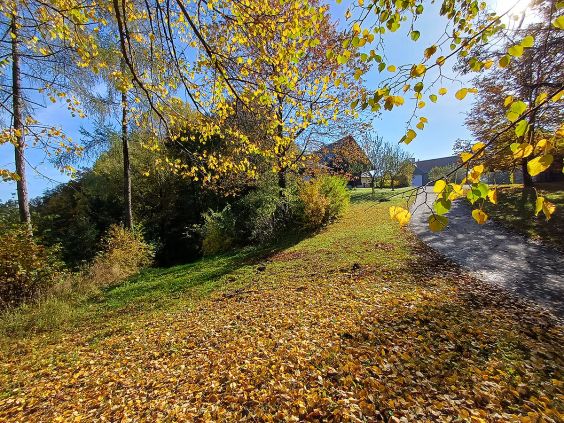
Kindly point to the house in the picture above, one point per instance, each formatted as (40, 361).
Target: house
(423, 167)
(366, 178)
(343, 157)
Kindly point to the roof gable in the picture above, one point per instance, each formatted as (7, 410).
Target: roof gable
(425, 166)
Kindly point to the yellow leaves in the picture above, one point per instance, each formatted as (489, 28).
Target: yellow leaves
(475, 173)
(429, 51)
(357, 74)
(400, 215)
(546, 206)
(461, 93)
(441, 60)
(516, 110)
(521, 150)
(457, 191)
(418, 70)
(439, 186)
(391, 68)
(393, 100)
(558, 22)
(479, 149)
(479, 216)
(539, 164)
(528, 41)
(442, 91)
(508, 100)
(541, 98)
(542, 146)
(409, 136)
(465, 157)
(492, 196)
(437, 223)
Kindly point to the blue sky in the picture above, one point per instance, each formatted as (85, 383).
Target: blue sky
(446, 117)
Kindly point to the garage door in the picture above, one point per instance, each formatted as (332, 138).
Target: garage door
(417, 181)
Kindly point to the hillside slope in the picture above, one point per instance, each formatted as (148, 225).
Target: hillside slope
(360, 322)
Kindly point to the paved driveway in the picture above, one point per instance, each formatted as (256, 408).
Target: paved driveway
(495, 255)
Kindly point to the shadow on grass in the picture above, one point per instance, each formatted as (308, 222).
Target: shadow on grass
(159, 286)
(362, 195)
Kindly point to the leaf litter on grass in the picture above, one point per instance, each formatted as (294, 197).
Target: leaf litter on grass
(403, 338)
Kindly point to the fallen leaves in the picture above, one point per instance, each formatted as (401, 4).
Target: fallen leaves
(404, 336)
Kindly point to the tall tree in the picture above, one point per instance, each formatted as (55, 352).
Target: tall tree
(43, 43)
(376, 149)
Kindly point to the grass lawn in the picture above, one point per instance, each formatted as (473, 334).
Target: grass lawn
(517, 212)
(360, 322)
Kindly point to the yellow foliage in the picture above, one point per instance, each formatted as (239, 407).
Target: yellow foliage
(539, 164)
(400, 215)
(479, 216)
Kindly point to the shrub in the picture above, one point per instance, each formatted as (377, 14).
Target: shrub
(314, 205)
(322, 199)
(335, 190)
(27, 269)
(124, 252)
(218, 231)
(262, 213)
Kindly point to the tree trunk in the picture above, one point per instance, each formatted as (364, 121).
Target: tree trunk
(527, 179)
(128, 211)
(282, 181)
(17, 104)
(392, 182)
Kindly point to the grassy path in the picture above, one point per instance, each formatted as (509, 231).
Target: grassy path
(358, 323)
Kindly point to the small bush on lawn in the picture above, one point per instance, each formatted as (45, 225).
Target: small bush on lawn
(218, 231)
(322, 199)
(27, 269)
(124, 252)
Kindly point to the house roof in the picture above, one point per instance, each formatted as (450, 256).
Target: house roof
(346, 146)
(424, 166)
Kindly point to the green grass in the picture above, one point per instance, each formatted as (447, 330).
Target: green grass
(151, 290)
(516, 210)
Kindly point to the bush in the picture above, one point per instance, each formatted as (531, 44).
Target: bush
(27, 269)
(262, 213)
(218, 231)
(124, 252)
(322, 199)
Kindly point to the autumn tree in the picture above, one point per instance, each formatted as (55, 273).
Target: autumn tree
(536, 68)
(40, 45)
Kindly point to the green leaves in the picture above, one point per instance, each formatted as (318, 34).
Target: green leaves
(521, 128)
(478, 191)
(515, 51)
(442, 206)
(415, 35)
(437, 223)
(517, 109)
(504, 61)
(528, 41)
